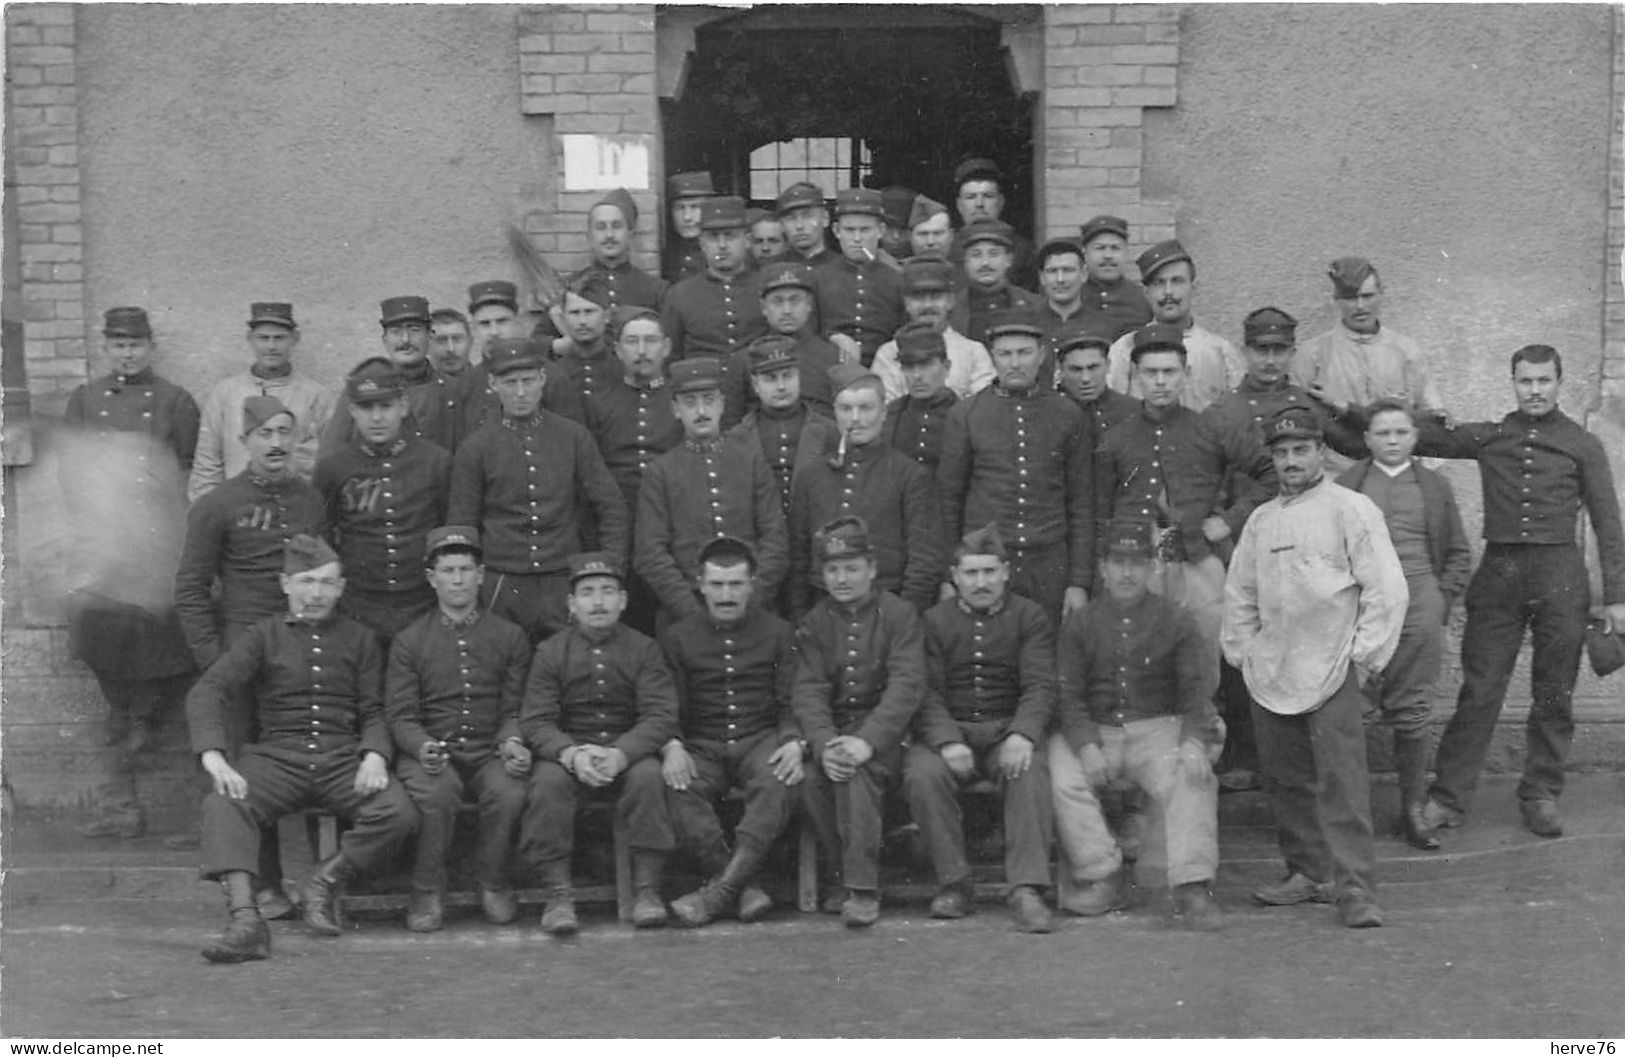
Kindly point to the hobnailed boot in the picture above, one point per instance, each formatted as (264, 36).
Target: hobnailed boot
(754, 903)
(424, 912)
(321, 894)
(559, 914)
(648, 910)
(246, 938)
(715, 896)
(1410, 763)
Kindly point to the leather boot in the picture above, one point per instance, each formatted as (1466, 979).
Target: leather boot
(273, 903)
(1195, 906)
(711, 899)
(1410, 763)
(321, 895)
(648, 910)
(1094, 898)
(246, 938)
(424, 912)
(559, 914)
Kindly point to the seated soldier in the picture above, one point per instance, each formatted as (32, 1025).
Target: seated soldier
(733, 666)
(859, 682)
(317, 681)
(990, 670)
(1136, 688)
(452, 692)
(599, 704)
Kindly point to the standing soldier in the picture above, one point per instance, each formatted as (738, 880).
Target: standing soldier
(800, 208)
(791, 433)
(612, 279)
(733, 667)
(860, 298)
(929, 298)
(990, 696)
(583, 361)
(708, 486)
(1081, 374)
(978, 195)
(787, 305)
(1215, 367)
(435, 401)
(316, 679)
(1425, 529)
(527, 480)
(718, 311)
(599, 704)
(988, 246)
(683, 256)
(1111, 304)
(914, 421)
(493, 312)
(767, 242)
(1359, 360)
(382, 494)
(868, 479)
(1015, 454)
(451, 343)
(930, 232)
(123, 477)
(1136, 703)
(859, 682)
(1313, 610)
(452, 692)
(272, 338)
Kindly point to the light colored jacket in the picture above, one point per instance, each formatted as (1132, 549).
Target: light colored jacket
(1214, 364)
(970, 368)
(220, 452)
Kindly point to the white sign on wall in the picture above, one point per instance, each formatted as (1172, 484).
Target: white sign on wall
(602, 163)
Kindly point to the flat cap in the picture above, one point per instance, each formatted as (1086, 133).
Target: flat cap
(374, 380)
(513, 354)
(1102, 225)
(126, 322)
(859, 200)
(1014, 320)
(279, 313)
(1165, 252)
(303, 553)
(1348, 274)
(493, 292)
(772, 352)
(780, 274)
(1294, 422)
(722, 213)
(448, 536)
(403, 310)
(920, 342)
(976, 169)
(1268, 326)
(923, 209)
(594, 563)
(260, 409)
(984, 230)
(798, 196)
(927, 274)
(691, 185)
(696, 374)
(1130, 539)
(845, 537)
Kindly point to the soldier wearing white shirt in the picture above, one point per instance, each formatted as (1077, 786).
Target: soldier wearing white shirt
(928, 298)
(1215, 367)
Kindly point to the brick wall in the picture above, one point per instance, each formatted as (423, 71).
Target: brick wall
(44, 135)
(1103, 66)
(590, 68)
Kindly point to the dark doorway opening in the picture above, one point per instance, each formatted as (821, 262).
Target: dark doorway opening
(875, 94)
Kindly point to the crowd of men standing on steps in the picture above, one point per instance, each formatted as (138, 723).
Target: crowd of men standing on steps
(826, 524)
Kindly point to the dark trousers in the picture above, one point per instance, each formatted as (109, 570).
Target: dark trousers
(1029, 814)
(1543, 589)
(387, 614)
(283, 781)
(718, 767)
(131, 702)
(533, 601)
(1040, 573)
(547, 833)
(501, 800)
(1315, 770)
(1402, 695)
(846, 816)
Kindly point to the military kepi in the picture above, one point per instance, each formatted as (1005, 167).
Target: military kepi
(1104, 224)
(1293, 423)
(781, 274)
(1014, 321)
(258, 410)
(1268, 326)
(493, 292)
(1159, 336)
(513, 354)
(861, 201)
(919, 342)
(1129, 539)
(691, 185)
(696, 374)
(403, 310)
(303, 553)
(279, 313)
(771, 352)
(1162, 254)
(722, 213)
(448, 536)
(845, 537)
(126, 322)
(374, 381)
(593, 563)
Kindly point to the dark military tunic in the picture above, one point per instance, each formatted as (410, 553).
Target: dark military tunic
(683, 258)
(862, 301)
(588, 372)
(733, 683)
(789, 440)
(975, 304)
(691, 495)
(893, 495)
(523, 484)
(1113, 310)
(1106, 411)
(862, 671)
(620, 285)
(634, 425)
(438, 410)
(814, 356)
(457, 683)
(610, 689)
(380, 505)
(235, 534)
(707, 316)
(914, 427)
(989, 673)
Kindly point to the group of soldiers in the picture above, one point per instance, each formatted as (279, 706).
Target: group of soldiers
(826, 527)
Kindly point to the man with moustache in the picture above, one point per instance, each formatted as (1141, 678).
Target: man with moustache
(718, 312)
(316, 680)
(859, 681)
(866, 478)
(990, 697)
(801, 210)
(529, 480)
(978, 195)
(1314, 606)
(451, 342)
(1081, 370)
(767, 241)
(733, 668)
(787, 305)
(1359, 360)
(930, 234)
(683, 256)
(273, 336)
(1111, 304)
(132, 436)
(599, 703)
(915, 420)
(381, 495)
(612, 280)
(1215, 367)
(859, 298)
(452, 689)
(1015, 453)
(435, 402)
(987, 246)
(708, 486)
(929, 298)
(790, 432)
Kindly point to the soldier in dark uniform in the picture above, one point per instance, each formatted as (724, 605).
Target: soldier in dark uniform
(583, 360)
(1081, 368)
(930, 233)
(599, 704)
(1060, 278)
(612, 279)
(525, 480)
(791, 432)
(898, 203)
(859, 682)
(868, 479)
(123, 474)
(987, 247)
(683, 256)
(979, 196)
(708, 486)
(801, 209)
(990, 697)
(451, 694)
(317, 682)
(859, 298)
(382, 495)
(451, 342)
(494, 306)
(733, 666)
(436, 401)
(914, 421)
(787, 305)
(717, 312)
(493, 312)
(767, 242)
(1015, 453)
(1111, 303)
